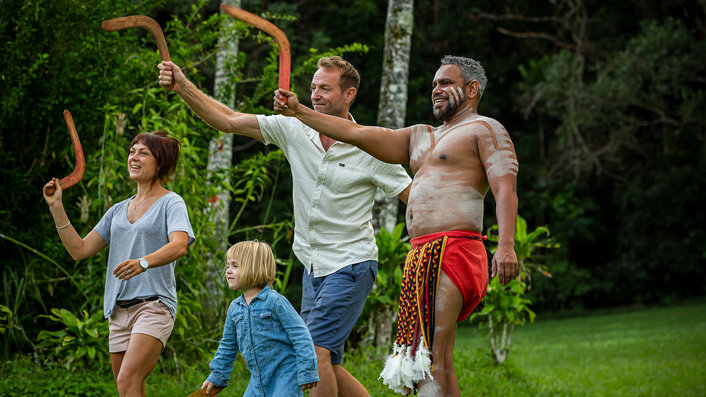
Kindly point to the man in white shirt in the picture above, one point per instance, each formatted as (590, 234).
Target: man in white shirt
(334, 184)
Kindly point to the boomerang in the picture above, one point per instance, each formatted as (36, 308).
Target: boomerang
(77, 174)
(272, 30)
(144, 22)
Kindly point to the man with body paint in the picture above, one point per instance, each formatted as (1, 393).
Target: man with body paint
(454, 165)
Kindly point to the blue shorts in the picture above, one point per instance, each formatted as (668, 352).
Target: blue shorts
(332, 304)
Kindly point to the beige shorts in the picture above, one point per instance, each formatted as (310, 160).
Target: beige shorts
(150, 318)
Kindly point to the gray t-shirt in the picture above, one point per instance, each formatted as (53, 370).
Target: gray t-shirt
(134, 240)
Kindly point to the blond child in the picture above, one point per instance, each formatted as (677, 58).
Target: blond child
(263, 326)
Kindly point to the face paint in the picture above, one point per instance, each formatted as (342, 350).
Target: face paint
(456, 98)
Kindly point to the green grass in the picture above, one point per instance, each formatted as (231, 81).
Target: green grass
(655, 352)
(649, 352)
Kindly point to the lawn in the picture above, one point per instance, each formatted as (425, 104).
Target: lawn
(637, 352)
(655, 352)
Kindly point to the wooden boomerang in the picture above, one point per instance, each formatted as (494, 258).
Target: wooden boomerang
(140, 21)
(75, 176)
(202, 392)
(272, 30)
(144, 22)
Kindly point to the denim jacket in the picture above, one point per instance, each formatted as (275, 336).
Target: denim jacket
(275, 343)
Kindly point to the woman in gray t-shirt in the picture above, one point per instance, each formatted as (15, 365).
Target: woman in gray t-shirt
(147, 233)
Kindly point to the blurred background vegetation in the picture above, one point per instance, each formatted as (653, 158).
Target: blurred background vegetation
(605, 102)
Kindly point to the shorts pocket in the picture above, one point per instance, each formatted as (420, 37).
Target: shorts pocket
(164, 307)
(364, 271)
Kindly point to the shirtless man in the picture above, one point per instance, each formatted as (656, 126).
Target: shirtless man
(454, 165)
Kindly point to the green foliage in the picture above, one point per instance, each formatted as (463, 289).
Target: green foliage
(507, 306)
(138, 109)
(5, 319)
(253, 177)
(107, 80)
(504, 307)
(80, 343)
(392, 252)
(55, 57)
(622, 129)
(376, 323)
(525, 246)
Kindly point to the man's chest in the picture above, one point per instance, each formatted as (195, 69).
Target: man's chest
(452, 150)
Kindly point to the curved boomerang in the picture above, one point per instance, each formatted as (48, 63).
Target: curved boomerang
(144, 22)
(140, 21)
(272, 30)
(77, 174)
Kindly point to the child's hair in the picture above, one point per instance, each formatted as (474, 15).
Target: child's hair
(256, 262)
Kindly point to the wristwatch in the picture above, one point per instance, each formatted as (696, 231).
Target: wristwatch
(144, 264)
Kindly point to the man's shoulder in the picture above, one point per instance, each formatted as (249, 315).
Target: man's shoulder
(278, 129)
(278, 119)
(473, 126)
(486, 121)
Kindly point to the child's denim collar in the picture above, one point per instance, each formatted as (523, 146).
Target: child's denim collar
(260, 296)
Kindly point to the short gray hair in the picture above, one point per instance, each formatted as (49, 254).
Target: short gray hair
(470, 69)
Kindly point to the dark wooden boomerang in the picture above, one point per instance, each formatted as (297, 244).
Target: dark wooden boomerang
(77, 174)
(272, 30)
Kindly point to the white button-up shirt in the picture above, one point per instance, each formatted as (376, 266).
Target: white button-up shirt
(333, 194)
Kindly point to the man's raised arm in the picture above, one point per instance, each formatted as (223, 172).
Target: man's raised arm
(214, 113)
(382, 143)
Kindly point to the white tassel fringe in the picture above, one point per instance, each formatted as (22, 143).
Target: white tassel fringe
(402, 371)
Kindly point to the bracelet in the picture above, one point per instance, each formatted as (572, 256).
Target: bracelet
(63, 227)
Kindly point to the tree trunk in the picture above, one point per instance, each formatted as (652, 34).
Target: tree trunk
(393, 92)
(391, 114)
(383, 330)
(221, 150)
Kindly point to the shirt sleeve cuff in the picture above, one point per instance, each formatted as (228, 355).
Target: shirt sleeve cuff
(307, 377)
(307, 372)
(218, 380)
